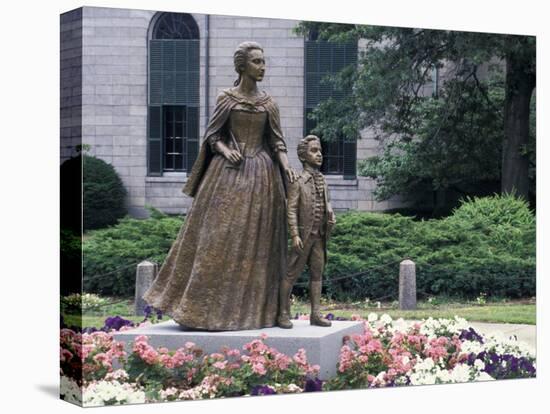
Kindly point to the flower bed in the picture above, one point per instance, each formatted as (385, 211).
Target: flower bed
(387, 353)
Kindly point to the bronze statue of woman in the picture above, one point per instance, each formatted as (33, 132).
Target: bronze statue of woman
(223, 270)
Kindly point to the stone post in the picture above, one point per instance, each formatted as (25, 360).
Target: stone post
(145, 274)
(407, 285)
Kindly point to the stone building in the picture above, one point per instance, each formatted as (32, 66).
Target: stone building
(138, 86)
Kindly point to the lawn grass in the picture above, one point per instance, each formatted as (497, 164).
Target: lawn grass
(520, 312)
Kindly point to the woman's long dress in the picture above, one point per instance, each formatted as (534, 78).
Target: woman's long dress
(223, 270)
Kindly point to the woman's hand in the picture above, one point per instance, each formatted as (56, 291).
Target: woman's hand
(232, 155)
(291, 174)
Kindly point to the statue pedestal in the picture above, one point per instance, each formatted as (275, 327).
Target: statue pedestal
(322, 344)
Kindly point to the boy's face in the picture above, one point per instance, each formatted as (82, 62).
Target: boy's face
(313, 154)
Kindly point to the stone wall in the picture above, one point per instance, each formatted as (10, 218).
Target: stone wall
(71, 82)
(114, 53)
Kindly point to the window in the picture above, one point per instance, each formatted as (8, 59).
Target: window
(173, 116)
(323, 58)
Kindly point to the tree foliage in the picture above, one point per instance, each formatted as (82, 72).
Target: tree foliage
(437, 101)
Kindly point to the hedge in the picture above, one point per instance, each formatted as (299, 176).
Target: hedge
(486, 246)
(110, 256)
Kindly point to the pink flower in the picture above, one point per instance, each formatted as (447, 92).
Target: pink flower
(282, 361)
(150, 356)
(263, 335)
(314, 369)
(233, 352)
(363, 359)
(300, 357)
(166, 360)
(219, 364)
(374, 346)
(346, 358)
(65, 355)
(259, 369)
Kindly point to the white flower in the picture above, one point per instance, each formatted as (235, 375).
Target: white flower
(471, 347)
(444, 376)
(422, 378)
(426, 364)
(372, 317)
(118, 375)
(400, 326)
(70, 390)
(112, 393)
(386, 319)
(483, 376)
(460, 373)
(479, 364)
(292, 388)
(169, 393)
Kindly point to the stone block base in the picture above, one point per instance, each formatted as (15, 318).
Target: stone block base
(322, 344)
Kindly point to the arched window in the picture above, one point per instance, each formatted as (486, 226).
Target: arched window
(176, 26)
(174, 69)
(324, 58)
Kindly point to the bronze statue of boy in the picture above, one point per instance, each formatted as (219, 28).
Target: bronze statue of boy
(310, 219)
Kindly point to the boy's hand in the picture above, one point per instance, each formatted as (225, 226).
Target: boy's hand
(297, 243)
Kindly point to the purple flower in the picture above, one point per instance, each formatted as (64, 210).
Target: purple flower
(313, 385)
(262, 390)
(147, 311)
(116, 322)
(330, 316)
(470, 335)
(505, 366)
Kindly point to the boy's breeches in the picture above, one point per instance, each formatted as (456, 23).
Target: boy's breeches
(313, 254)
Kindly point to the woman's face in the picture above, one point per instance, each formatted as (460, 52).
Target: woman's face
(255, 65)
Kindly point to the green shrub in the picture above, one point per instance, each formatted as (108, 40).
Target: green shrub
(486, 246)
(103, 194)
(110, 256)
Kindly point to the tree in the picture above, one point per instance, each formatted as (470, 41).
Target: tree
(471, 129)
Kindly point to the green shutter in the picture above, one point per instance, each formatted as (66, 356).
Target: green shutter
(155, 72)
(174, 72)
(350, 159)
(174, 79)
(324, 58)
(192, 136)
(154, 151)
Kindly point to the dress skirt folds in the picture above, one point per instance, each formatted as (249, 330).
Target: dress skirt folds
(223, 270)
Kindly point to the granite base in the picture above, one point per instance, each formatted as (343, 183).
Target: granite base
(322, 344)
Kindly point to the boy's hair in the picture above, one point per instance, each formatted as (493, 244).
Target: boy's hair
(302, 146)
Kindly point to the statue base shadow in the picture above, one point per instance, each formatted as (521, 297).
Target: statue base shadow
(322, 344)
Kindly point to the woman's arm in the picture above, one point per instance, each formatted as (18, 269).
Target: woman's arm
(283, 160)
